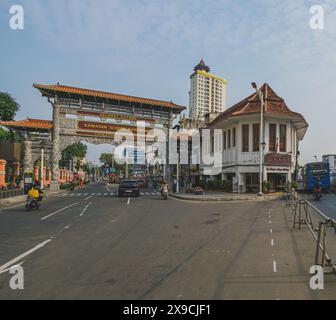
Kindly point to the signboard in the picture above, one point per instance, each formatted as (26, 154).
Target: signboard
(105, 115)
(277, 159)
(107, 130)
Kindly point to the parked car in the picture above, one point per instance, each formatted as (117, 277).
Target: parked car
(129, 188)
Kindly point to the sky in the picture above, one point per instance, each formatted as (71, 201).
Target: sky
(149, 48)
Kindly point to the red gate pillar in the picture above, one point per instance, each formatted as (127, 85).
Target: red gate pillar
(3, 172)
(36, 173)
(16, 171)
(44, 175)
(49, 176)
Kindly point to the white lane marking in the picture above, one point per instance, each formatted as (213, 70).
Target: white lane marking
(88, 198)
(129, 201)
(93, 193)
(98, 194)
(270, 222)
(85, 209)
(67, 227)
(272, 242)
(58, 211)
(66, 194)
(153, 193)
(271, 231)
(142, 194)
(105, 194)
(72, 194)
(20, 257)
(85, 194)
(113, 221)
(274, 266)
(147, 193)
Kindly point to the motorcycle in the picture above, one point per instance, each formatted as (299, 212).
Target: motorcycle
(32, 203)
(164, 195)
(317, 194)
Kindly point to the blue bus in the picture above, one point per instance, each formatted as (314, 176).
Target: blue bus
(316, 170)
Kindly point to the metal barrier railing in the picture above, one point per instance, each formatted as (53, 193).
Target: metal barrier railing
(11, 193)
(318, 223)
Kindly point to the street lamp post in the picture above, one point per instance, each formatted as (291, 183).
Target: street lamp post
(262, 143)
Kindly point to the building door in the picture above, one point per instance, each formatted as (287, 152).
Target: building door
(278, 181)
(252, 182)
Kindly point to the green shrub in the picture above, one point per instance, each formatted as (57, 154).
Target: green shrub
(267, 185)
(210, 185)
(218, 184)
(294, 185)
(227, 185)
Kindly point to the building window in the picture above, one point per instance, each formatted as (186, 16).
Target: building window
(245, 137)
(233, 137)
(283, 138)
(272, 137)
(256, 137)
(224, 141)
(212, 144)
(229, 139)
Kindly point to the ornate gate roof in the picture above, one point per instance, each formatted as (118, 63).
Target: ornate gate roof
(69, 92)
(29, 125)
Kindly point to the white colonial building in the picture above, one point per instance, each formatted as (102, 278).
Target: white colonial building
(239, 141)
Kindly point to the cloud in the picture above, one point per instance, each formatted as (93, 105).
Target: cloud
(150, 47)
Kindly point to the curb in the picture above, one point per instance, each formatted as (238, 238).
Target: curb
(222, 199)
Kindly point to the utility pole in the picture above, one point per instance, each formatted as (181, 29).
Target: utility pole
(42, 164)
(262, 143)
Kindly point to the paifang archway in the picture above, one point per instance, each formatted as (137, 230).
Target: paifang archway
(94, 116)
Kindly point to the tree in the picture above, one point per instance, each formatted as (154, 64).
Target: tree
(106, 158)
(8, 107)
(76, 150)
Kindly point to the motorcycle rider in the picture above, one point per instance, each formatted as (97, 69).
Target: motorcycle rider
(34, 193)
(318, 189)
(164, 188)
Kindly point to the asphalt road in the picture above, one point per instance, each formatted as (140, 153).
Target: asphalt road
(327, 205)
(91, 244)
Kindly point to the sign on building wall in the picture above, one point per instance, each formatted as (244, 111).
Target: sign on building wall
(277, 159)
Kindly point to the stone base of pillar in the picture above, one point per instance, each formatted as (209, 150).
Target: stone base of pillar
(54, 186)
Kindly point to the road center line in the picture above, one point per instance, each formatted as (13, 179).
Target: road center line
(272, 242)
(20, 257)
(274, 266)
(85, 209)
(129, 201)
(60, 210)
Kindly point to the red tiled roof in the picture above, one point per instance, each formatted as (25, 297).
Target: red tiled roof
(29, 123)
(274, 105)
(50, 90)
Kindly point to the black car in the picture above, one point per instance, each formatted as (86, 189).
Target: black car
(129, 188)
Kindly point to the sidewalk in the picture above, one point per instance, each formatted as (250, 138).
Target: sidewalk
(21, 199)
(224, 196)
